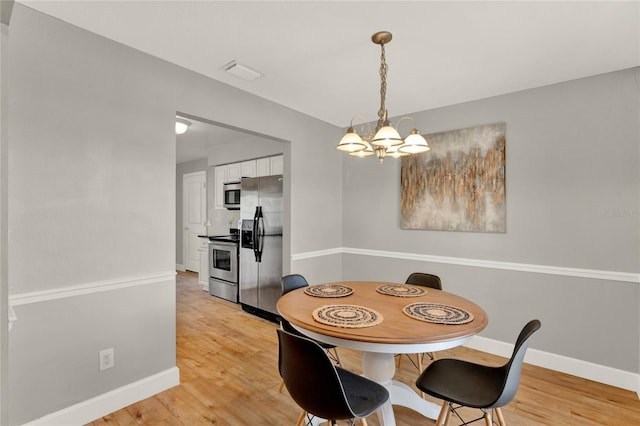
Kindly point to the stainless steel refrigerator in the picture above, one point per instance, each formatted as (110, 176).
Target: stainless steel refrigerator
(261, 244)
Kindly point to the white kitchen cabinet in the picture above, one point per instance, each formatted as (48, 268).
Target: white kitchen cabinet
(221, 177)
(269, 166)
(248, 168)
(263, 166)
(277, 165)
(234, 172)
(203, 274)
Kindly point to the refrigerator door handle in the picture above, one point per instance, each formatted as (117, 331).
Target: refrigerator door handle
(257, 249)
(260, 236)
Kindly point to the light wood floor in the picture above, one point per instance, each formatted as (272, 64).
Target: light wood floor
(228, 374)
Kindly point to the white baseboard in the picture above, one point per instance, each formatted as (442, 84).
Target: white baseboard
(576, 367)
(94, 408)
(180, 267)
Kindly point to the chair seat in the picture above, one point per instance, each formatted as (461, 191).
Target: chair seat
(462, 382)
(364, 396)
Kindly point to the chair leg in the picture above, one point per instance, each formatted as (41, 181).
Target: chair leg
(447, 418)
(443, 412)
(363, 421)
(419, 356)
(487, 418)
(399, 360)
(301, 418)
(501, 421)
(337, 355)
(281, 386)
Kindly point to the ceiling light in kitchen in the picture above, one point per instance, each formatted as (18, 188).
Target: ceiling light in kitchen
(181, 125)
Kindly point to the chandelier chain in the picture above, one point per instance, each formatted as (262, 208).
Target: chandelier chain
(383, 84)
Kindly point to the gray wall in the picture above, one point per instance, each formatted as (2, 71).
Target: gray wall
(181, 170)
(5, 15)
(572, 158)
(244, 150)
(92, 199)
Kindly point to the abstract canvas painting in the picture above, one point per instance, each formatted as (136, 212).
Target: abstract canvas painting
(459, 185)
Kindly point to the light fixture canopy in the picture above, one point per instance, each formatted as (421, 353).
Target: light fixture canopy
(182, 125)
(386, 140)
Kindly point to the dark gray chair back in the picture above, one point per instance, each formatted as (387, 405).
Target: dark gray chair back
(424, 280)
(292, 282)
(311, 378)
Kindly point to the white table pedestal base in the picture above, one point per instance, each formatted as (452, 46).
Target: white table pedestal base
(381, 368)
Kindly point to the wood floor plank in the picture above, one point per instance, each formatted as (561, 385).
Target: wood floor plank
(228, 373)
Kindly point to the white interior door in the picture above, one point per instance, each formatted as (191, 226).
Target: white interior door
(194, 214)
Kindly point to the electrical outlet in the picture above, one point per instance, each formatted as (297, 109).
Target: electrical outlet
(106, 359)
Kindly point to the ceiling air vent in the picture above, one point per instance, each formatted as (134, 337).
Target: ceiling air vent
(241, 71)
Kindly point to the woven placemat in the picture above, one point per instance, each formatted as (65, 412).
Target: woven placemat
(401, 290)
(328, 290)
(347, 316)
(437, 313)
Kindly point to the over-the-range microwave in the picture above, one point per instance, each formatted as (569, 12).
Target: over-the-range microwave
(232, 195)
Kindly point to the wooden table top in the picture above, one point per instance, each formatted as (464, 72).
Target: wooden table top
(396, 328)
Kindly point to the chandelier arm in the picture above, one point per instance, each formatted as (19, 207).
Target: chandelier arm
(407, 117)
(365, 129)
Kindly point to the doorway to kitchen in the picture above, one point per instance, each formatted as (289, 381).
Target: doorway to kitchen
(212, 148)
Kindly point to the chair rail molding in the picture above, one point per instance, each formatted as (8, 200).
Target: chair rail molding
(511, 266)
(88, 288)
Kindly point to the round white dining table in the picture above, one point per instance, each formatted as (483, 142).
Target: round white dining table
(397, 333)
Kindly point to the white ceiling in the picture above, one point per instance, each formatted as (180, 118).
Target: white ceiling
(196, 142)
(317, 57)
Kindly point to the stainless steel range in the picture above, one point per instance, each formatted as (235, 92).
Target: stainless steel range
(223, 266)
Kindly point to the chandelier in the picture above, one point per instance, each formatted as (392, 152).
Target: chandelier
(385, 140)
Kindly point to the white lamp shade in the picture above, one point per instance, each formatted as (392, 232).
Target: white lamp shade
(387, 136)
(182, 125)
(414, 143)
(395, 152)
(351, 142)
(363, 152)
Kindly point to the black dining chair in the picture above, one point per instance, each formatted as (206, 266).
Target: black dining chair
(290, 283)
(424, 280)
(319, 387)
(461, 383)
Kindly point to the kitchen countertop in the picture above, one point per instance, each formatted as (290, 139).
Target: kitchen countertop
(234, 238)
